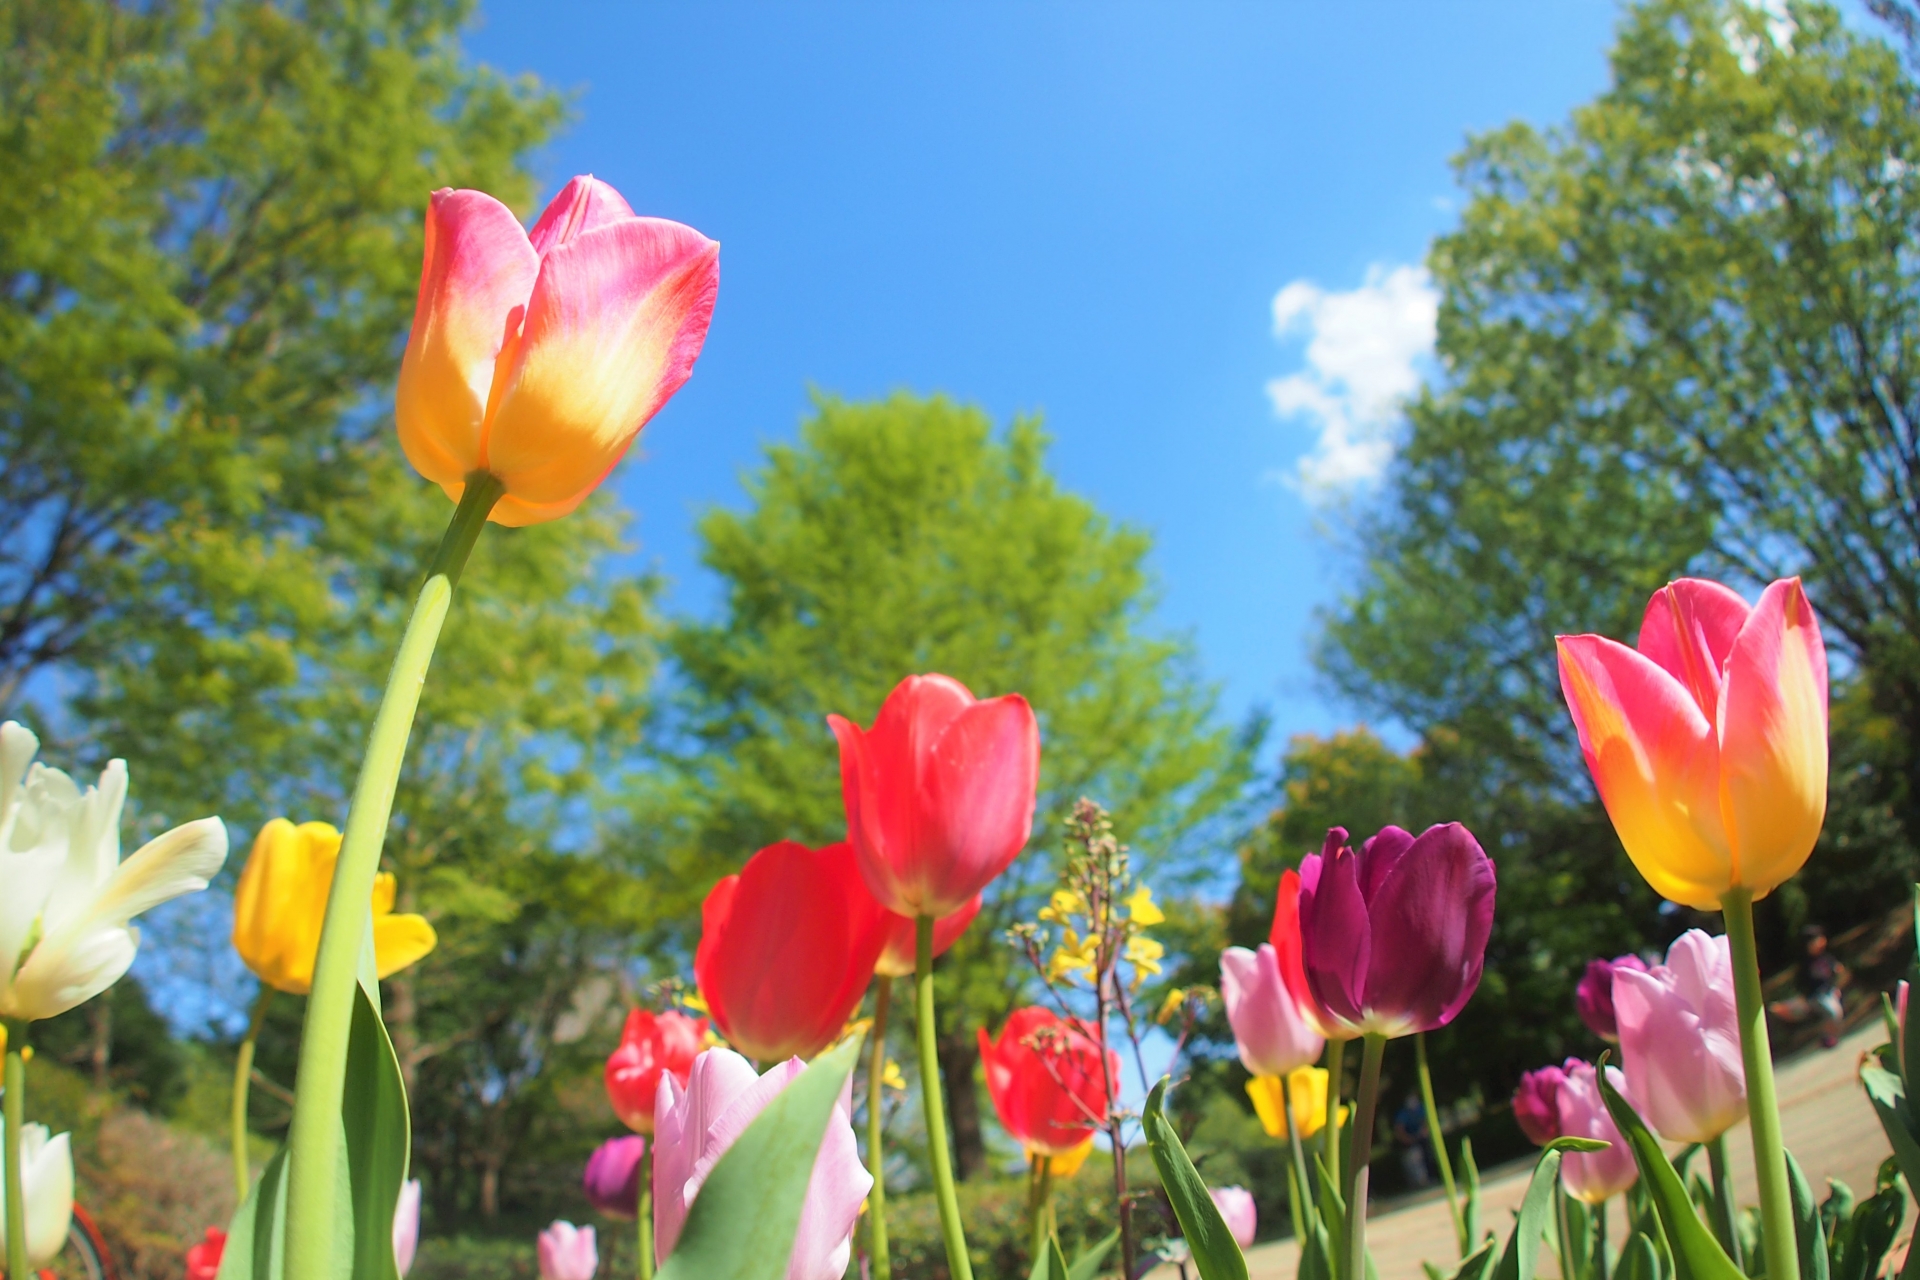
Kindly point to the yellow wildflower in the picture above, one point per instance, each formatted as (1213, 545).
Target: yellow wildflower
(1143, 953)
(1141, 909)
(891, 1078)
(1075, 955)
(1063, 907)
(1171, 1005)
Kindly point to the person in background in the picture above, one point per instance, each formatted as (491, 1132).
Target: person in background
(1410, 1135)
(1822, 980)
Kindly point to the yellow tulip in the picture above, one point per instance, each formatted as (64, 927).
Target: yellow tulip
(1068, 1162)
(1306, 1090)
(281, 903)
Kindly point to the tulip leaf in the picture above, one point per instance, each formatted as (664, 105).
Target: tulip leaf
(1638, 1261)
(379, 1136)
(1696, 1254)
(1889, 1096)
(256, 1236)
(1216, 1255)
(1470, 1202)
(1807, 1230)
(742, 1224)
(1536, 1211)
(1478, 1265)
(1870, 1234)
(1087, 1265)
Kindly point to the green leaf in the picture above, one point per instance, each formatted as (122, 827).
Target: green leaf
(1470, 1203)
(1696, 1254)
(742, 1224)
(1639, 1260)
(1087, 1265)
(1836, 1209)
(1536, 1211)
(1316, 1251)
(256, 1237)
(1874, 1224)
(1478, 1265)
(1807, 1230)
(1889, 1096)
(379, 1139)
(1216, 1255)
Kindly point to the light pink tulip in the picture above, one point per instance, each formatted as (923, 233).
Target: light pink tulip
(1592, 1176)
(568, 1252)
(1680, 1041)
(406, 1225)
(694, 1127)
(1236, 1206)
(1269, 1026)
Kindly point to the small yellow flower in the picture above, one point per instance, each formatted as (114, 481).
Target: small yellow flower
(1171, 1005)
(890, 1077)
(691, 1000)
(1075, 955)
(1063, 907)
(1143, 953)
(1067, 1163)
(1141, 909)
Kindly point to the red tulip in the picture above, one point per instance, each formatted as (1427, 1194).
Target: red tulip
(1285, 937)
(203, 1258)
(1045, 1079)
(787, 949)
(896, 961)
(649, 1045)
(939, 792)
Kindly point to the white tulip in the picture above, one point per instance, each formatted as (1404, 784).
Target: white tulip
(64, 936)
(46, 1169)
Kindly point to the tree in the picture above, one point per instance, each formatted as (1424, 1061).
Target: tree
(896, 537)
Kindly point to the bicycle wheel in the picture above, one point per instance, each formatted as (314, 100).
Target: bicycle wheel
(86, 1256)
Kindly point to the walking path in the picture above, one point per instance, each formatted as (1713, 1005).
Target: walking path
(1828, 1124)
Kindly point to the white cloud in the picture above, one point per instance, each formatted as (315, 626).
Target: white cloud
(1365, 353)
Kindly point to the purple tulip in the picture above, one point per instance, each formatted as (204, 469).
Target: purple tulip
(1536, 1104)
(612, 1180)
(567, 1252)
(1271, 1032)
(1594, 996)
(1680, 1041)
(692, 1129)
(1393, 937)
(1592, 1176)
(1236, 1206)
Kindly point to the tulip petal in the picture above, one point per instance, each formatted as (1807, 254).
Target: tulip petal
(1431, 916)
(1655, 762)
(980, 777)
(896, 959)
(1688, 630)
(1773, 739)
(400, 941)
(614, 324)
(1336, 935)
(475, 278)
(584, 204)
(1380, 855)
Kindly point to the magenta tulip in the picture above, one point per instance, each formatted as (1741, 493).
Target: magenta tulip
(1236, 1206)
(1680, 1041)
(1592, 1176)
(612, 1179)
(567, 1252)
(1393, 937)
(1269, 1027)
(1594, 996)
(694, 1127)
(1536, 1104)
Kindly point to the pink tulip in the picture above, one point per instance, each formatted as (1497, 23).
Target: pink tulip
(1708, 743)
(568, 1252)
(694, 1127)
(1592, 1176)
(538, 357)
(406, 1225)
(1593, 997)
(1236, 1206)
(1680, 1041)
(1268, 1025)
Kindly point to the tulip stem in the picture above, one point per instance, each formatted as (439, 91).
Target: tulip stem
(242, 1084)
(1040, 1202)
(1438, 1137)
(16, 1105)
(1723, 1210)
(1763, 1109)
(314, 1180)
(1301, 1187)
(643, 1215)
(1373, 1050)
(958, 1265)
(1563, 1236)
(1336, 1051)
(880, 1265)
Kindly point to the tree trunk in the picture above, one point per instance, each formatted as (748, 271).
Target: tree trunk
(958, 1056)
(402, 1015)
(490, 1186)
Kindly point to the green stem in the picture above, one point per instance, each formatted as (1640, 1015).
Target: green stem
(16, 1110)
(643, 1213)
(1562, 1236)
(958, 1266)
(1300, 1184)
(1375, 1048)
(1600, 1264)
(879, 1263)
(314, 1179)
(242, 1083)
(1042, 1203)
(1763, 1108)
(1336, 1051)
(1723, 1211)
(1439, 1138)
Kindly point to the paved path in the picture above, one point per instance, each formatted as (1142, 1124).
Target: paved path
(1829, 1127)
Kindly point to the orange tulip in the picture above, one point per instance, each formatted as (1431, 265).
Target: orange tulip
(1709, 742)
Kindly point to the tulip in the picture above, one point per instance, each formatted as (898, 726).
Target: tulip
(46, 1175)
(695, 1126)
(281, 902)
(203, 1258)
(1393, 938)
(1236, 1206)
(1594, 996)
(1680, 1043)
(1592, 1176)
(649, 1045)
(1045, 1078)
(612, 1179)
(1268, 1028)
(787, 949)
(567, 1252)
(1285, 939)
(1708, 743)
(538, 357)
(1068, 1163)
(1305, 1102)
(64, 934)
(939, 792)
(1536, 1104)
(896, 960)
(406, 1225)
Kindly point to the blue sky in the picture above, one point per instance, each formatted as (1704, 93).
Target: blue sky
(1082, 210)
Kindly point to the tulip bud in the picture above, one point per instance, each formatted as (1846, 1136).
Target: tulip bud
(203, 1257)
(1236, 1206)
(406, 1225)
(1536, 1104)
(46, 1174)
(1046, 1081)
(567, 1252)
(1680, 1041)
(1592, 1176)
(1269, 1029)
(1594, 996)
(612, 1179)
(649, 1045)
